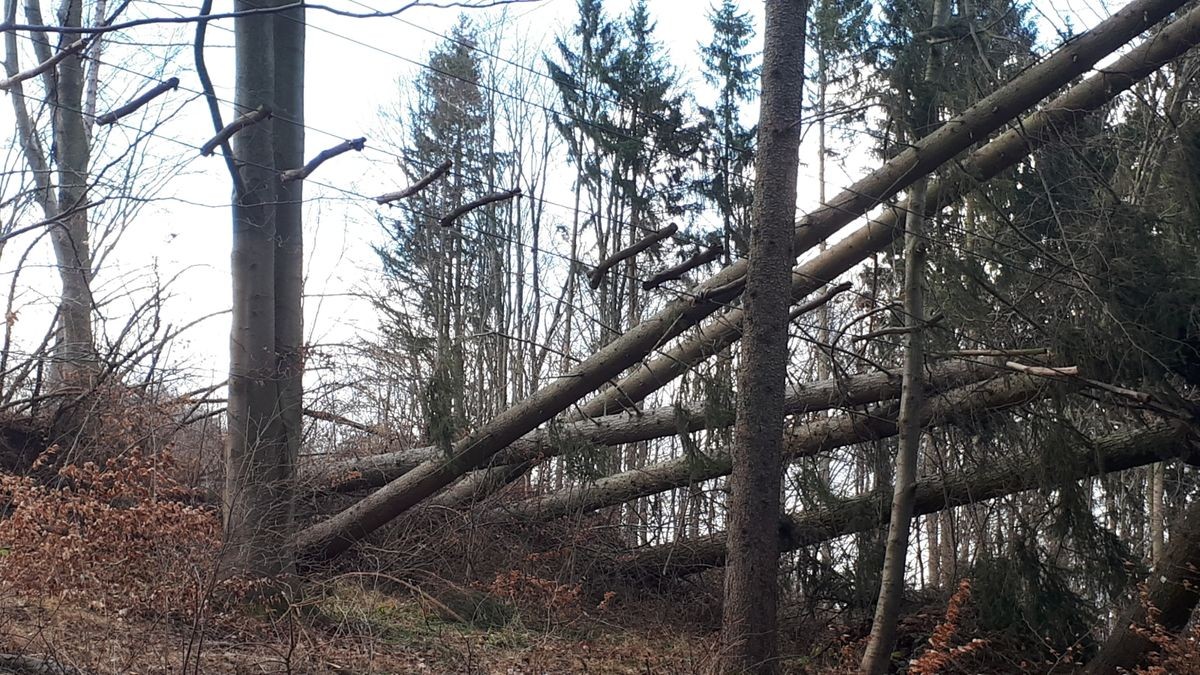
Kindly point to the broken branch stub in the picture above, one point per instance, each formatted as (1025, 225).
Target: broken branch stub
(642, 244)
(303, 172)
(250, 118)
(426, 180)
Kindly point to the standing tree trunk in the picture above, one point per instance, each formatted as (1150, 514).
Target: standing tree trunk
(265, 363)
(749, 623)
(877, 657)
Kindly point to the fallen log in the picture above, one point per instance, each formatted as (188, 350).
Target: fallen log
(359, 473)
(1005, 151)
(805, 441)
(1113, 453)
(334, 535)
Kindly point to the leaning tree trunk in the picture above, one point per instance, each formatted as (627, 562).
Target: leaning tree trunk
(334, 535)
(748, 626)
(263, 435)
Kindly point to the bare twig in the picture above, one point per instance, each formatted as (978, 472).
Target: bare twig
(158, 90)
(416, 187)
(73, 48)
(676, 272)
(325, 416)
(644, 243)
(463, 210)
(303, 172)
(223, 136)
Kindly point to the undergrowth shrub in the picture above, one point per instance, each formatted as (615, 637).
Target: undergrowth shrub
(118, 536)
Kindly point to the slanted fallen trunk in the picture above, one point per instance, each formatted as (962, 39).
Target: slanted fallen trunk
(1172, 590)
(1056, 118)
(1116, 452)
(337, 533)
(807, 440)
(372, 471)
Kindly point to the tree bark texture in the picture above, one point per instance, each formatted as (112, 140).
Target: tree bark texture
(264, 368)
(750, 616)
(334, 535)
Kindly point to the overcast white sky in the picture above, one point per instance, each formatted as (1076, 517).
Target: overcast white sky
(354, 68)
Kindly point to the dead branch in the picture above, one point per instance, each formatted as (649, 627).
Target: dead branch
(303, 172)
(438, 171)
(223, 136)
(834, 291)
(642, 244)
(42, 67)
(112, 116)
(463, 210)
(345, 421)
(676, 272)
(898, 330)
(1043, 371)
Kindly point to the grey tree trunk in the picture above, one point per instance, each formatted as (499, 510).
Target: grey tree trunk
(1112, 453)
(264, 366)
(750, 617)
(877, 657)
(336, 534)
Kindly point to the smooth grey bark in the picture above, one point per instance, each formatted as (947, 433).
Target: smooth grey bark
(877, 657)
(375, 470)
(337, 533)
(805, 441)
(263, 427)
(749, 622)
(1173, 590)
(1109, 454)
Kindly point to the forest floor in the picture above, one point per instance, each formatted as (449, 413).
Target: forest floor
(351, 630)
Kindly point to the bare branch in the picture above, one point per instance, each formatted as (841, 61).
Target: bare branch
(112, 116)
(416, 187)
(44, 66)
(303, 172)
(1043, 371)
(463, 210)
(676, 272)
(210, 96)
(646, 242)
(223, 136)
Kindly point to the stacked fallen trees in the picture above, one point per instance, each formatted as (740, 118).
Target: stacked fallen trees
(339, 532)
(1113, 453)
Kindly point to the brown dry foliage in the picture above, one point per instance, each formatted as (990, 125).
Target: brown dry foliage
(940, 653)
(118, 536)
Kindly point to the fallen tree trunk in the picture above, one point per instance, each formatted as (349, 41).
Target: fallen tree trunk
(1116, 452)
(985, 163)
(1172, 591)
(337, 533)
(375, 470)
(807, 440)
